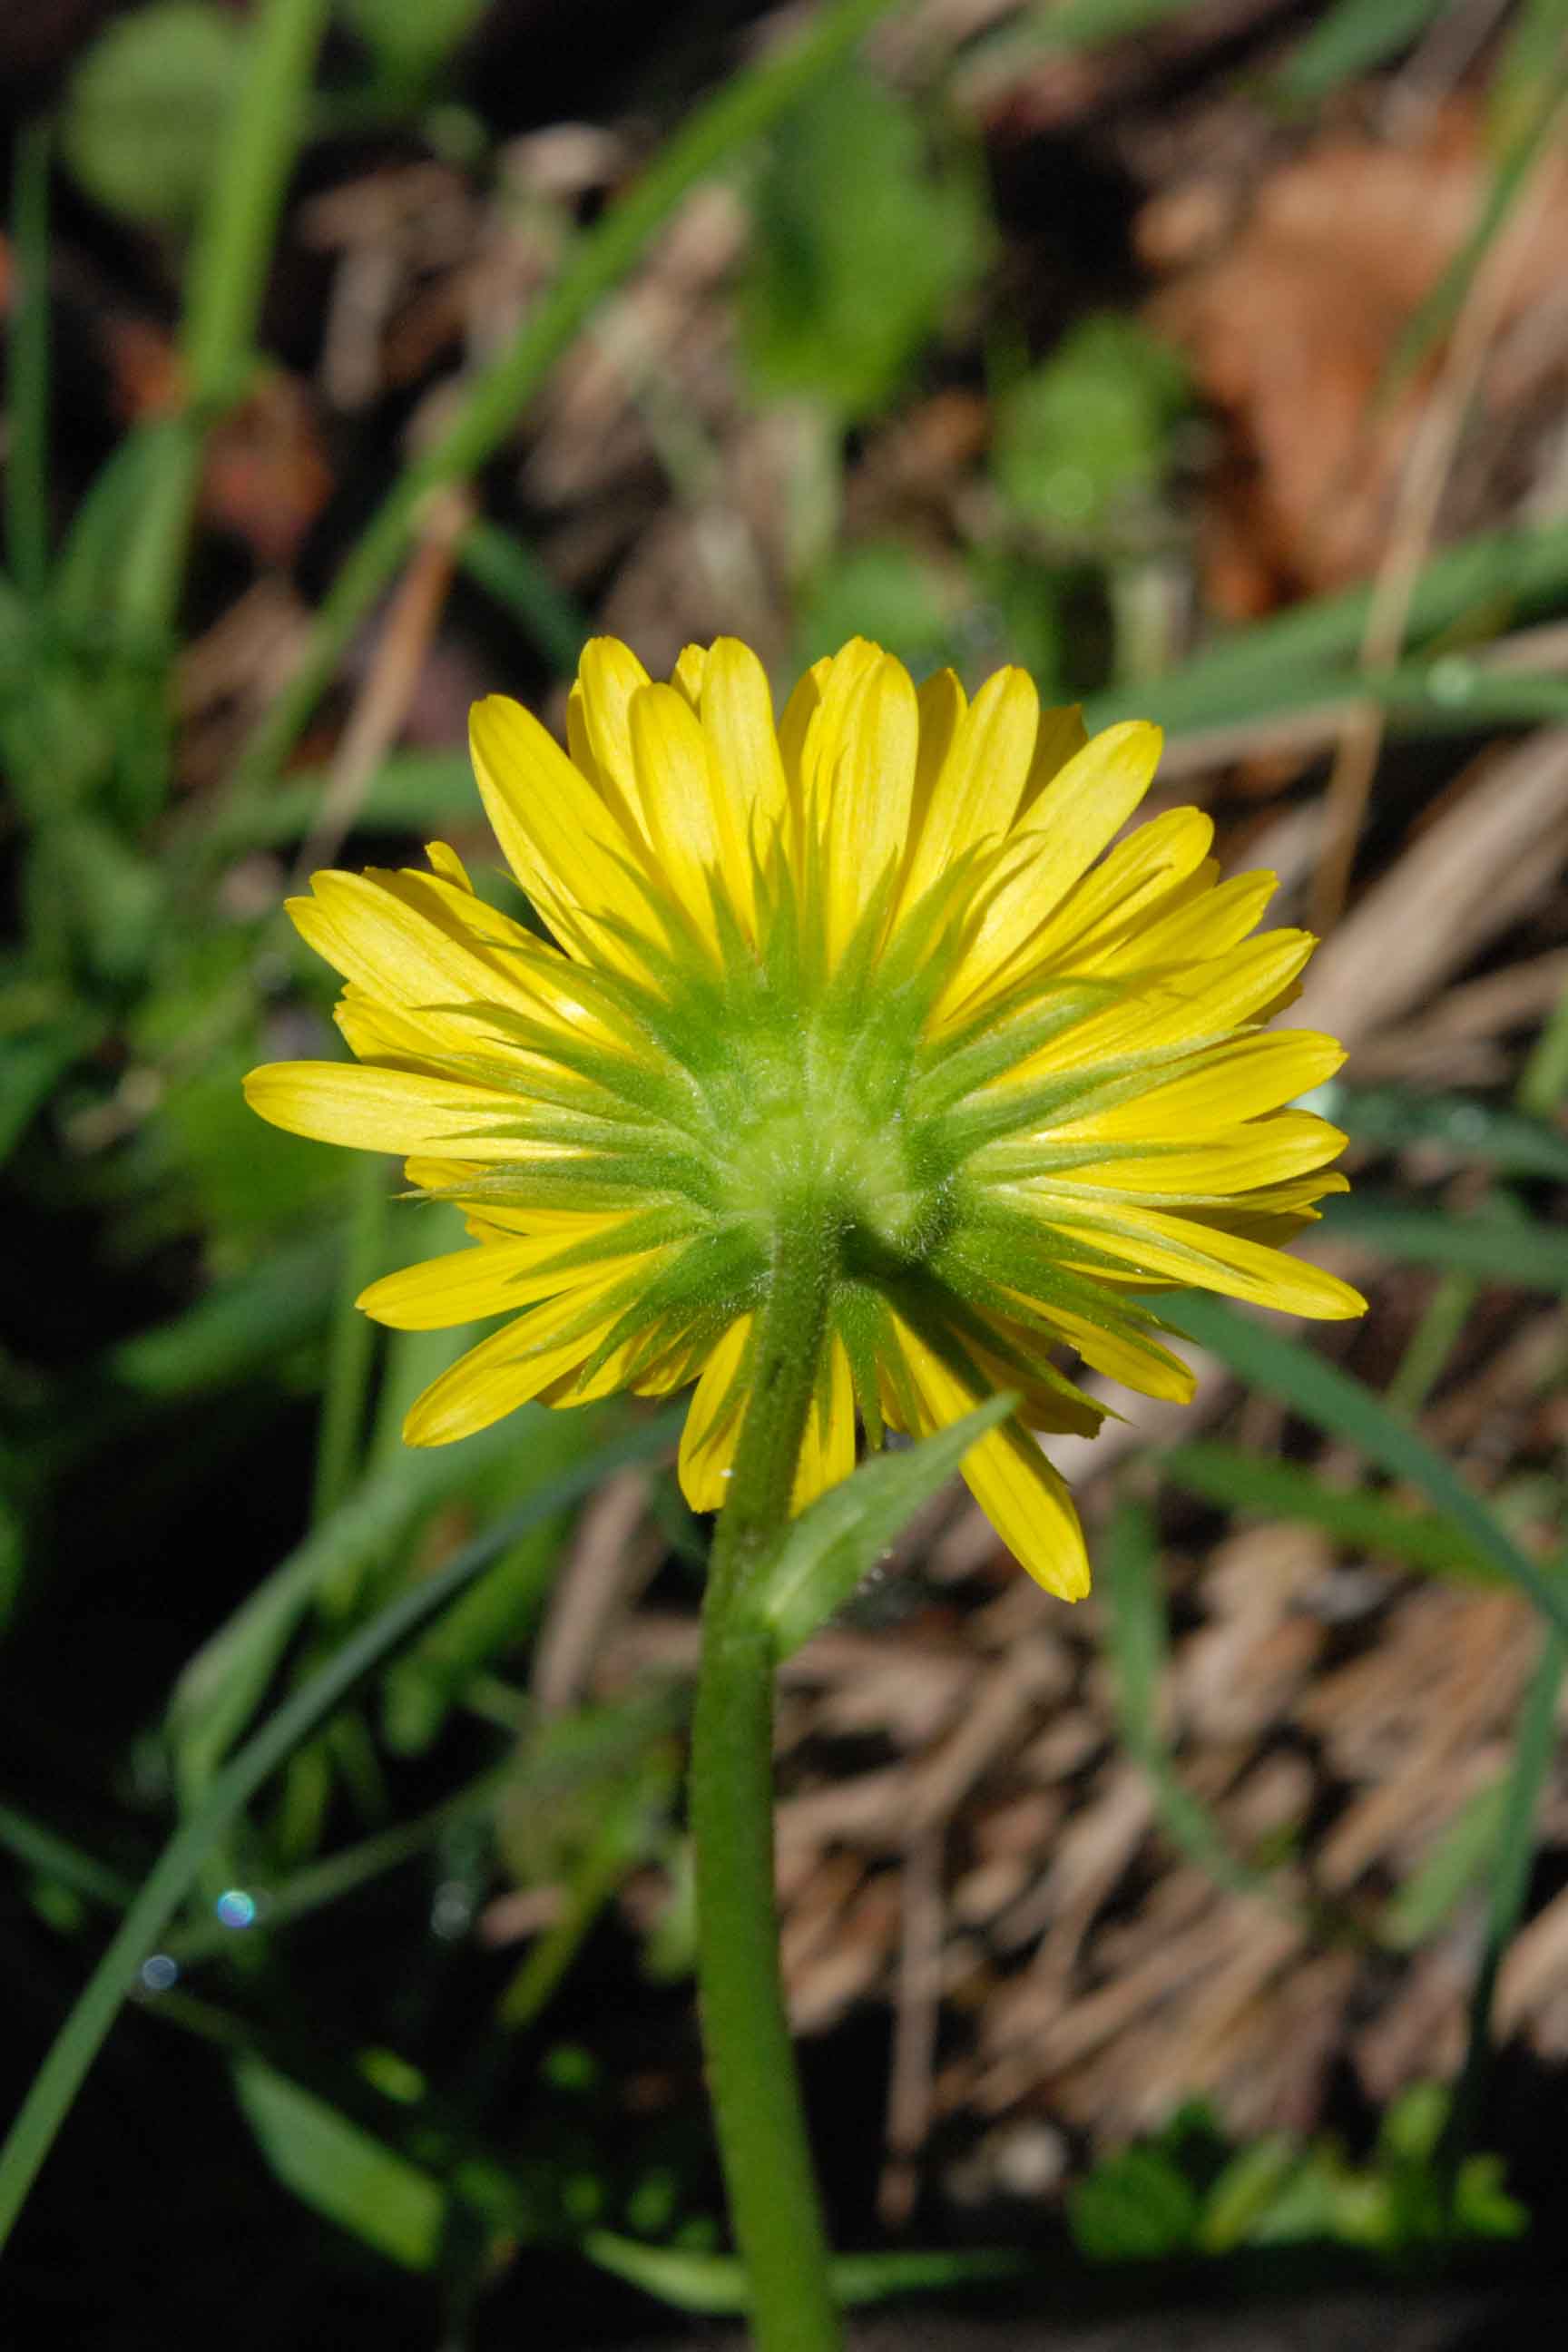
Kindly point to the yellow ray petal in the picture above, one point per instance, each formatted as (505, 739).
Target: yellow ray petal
(376, 938)
(1154, 1243)
(1058, 839)
(599, 732)
(388, 1110)
(445, 862)
(510, 1367)
(694, 834)
(1024, 1499)
(865, 816)
(940, 703)
(558, 836)
(1059, 737)
(714, 1420)
(827, 1450)
(1265, 1152)
(1134, 884)
(821, 721)
(1208, 923)
(1219, 1088)
(688, 673)
(1129, 1357)
(495, 1278)
(743, 755)
(1196, 1007)
(975, 796)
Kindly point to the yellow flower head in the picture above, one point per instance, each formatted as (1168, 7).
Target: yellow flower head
(871, 963)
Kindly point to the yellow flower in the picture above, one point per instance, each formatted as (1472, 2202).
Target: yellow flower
(870, 962)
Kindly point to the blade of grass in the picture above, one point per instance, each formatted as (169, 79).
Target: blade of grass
(1305, 655)
(1509, 1885)
(44, 1850)
(27, 368)
(717, 2282)
(507, 568)
(1500, 1247)
(1431, 1344)
(1351, 38)
(1514, 1142)
(1139, 1650)
(48, 2101)
(1285, 1490)
(351, 1353)
(1346, 1408)
(337, 1874)
(223, 289)
(489, 410)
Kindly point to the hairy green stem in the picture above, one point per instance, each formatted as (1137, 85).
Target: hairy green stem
(767, 2163)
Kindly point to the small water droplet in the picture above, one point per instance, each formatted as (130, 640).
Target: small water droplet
(160, 1972)
(235, 1907)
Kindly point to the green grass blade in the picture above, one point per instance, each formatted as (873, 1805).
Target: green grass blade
(1533, 1751)
(1139, 1649)
(717, 2282)
(1308, 655)
(1511, 1142)
(1285, 1490)
(48, 2101)
(1501, 1246)
(53, 1856)
(1350, 39)
(507, 568)
(1345, 1408)
(1455, 1863)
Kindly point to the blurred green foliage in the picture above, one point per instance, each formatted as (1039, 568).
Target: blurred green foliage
(149, 106)
(1088, 432)
(1193, 2190)
(862, 238)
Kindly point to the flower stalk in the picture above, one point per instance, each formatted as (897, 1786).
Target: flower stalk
(774, 2199)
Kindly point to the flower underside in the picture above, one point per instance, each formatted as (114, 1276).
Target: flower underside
(872, 966)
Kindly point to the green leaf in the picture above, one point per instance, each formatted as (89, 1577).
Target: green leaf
(858, 244)
(1090, 429)
(837, 1543)
(1135, 2206)
(236, 1329)
(1350, 39)
(1346, 1408)
(148, 109)
(338, 2170)
(409, 43)
(717, 2282)
(1501, 1246)
(30, 1068)
(1283, 1490)
(879, 591)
